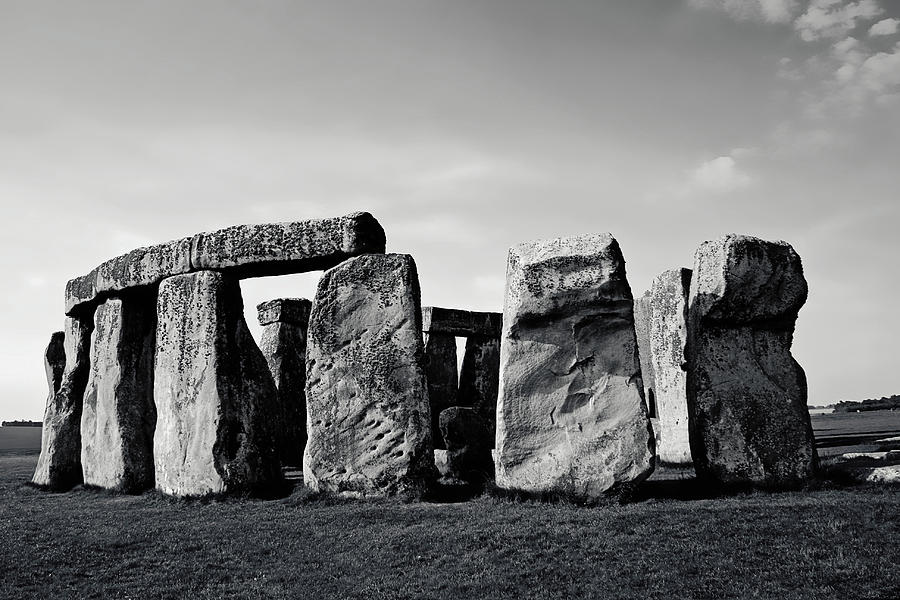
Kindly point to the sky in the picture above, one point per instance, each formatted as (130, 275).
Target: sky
(465, 127)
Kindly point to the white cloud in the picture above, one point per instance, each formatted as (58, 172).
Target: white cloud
(884, 27)
(768, 11)
(834, 18)
(720, 174)
(881, 72)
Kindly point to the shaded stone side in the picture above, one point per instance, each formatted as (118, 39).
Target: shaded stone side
(59, 464)
(570, 415)
(55, 361)
(214, 395)
(479, 379)
(368, 417)
(461, 323)
(283, 344)
(442, 378)
(467, 439)
(119, 417)
(668, 340)
(749, 423)
(642, 333)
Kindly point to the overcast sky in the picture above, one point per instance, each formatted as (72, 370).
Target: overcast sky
(464, 127)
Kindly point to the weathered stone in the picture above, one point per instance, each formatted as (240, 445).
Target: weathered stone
(242, 251)
(462, 323)
(642, 333)
(442, 378)
(280, 248)
(367, 400)
(570, 415)
(55, 361)
(479, 379)
(215, 398)
(59, 465)
(468, 440)
(746, 393)
(283, 344)
(119, 417)
(668, 339)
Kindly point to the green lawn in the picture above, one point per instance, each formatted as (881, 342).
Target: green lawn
(828, 543)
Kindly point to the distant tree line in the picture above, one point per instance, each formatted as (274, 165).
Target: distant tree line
(21, 424)
(885, 403)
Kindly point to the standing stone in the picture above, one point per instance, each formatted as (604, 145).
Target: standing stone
(642, 332)
(442, 378)
(215, 398)
(59, 465)
(119, 417)
(55, 361)
(668, 338)
(367, 399)
(467, 438)
(570, 416)
(479, 379)
(746, 393)
(284, 323)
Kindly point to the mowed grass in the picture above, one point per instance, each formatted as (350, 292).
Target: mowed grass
(826, 543)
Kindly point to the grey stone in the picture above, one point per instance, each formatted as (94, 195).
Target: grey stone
(283, 344)
(368, 417)
(462, 323)
(479, 379)
(214, 395)
(668, 340)
(442, 377)
(468, 440)
(749, 423)
(59, 464)
(570, 415)
(642, 332)
(55, 361)
(118, 416)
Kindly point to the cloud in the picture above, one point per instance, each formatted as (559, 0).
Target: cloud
(720, 174)
(884, 27)
(767, 11)
(834, 18)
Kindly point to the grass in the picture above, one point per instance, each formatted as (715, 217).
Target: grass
(827, 543)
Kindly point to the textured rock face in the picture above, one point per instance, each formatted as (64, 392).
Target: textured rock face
(442, 378)
(746, 393)
(668, 339)
(283, 344)
(242, 251)
(642, 332)
(570, 417)
(479, 379)
(119, 417)
(215, 398)
(463, 323)
(368, 418)
(55, 361)
(467, 438)
(59, 465)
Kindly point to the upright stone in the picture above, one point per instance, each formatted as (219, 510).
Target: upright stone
(55, 361)
(668, 339)
(215, 398)
(59, 465)
(119, 417)
(746, 393)
(642, 332)
(467, 438)
(479, 379)
(367, 400)
(570, 416)
(442, 378)
(284, 323)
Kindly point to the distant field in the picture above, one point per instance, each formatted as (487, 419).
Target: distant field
(20, 440)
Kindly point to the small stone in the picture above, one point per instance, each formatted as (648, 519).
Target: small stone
(468, 440)
(442, 377)
(479, 379)
(642, 332)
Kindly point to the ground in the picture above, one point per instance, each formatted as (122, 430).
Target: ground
(830, 541)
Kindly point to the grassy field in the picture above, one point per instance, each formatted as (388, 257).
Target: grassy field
(828, 542)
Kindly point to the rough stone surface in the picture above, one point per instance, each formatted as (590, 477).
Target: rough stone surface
(467, 438)
(668, 339)
(118, 416)
(570, 415)
(242, 251)
(479, 379)
(283, 344)
(214, 395)
(59, 465)
(367, 400)
(642, 333)
(462, 323)
(442, 377)
(55, 361)
(746, 393)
